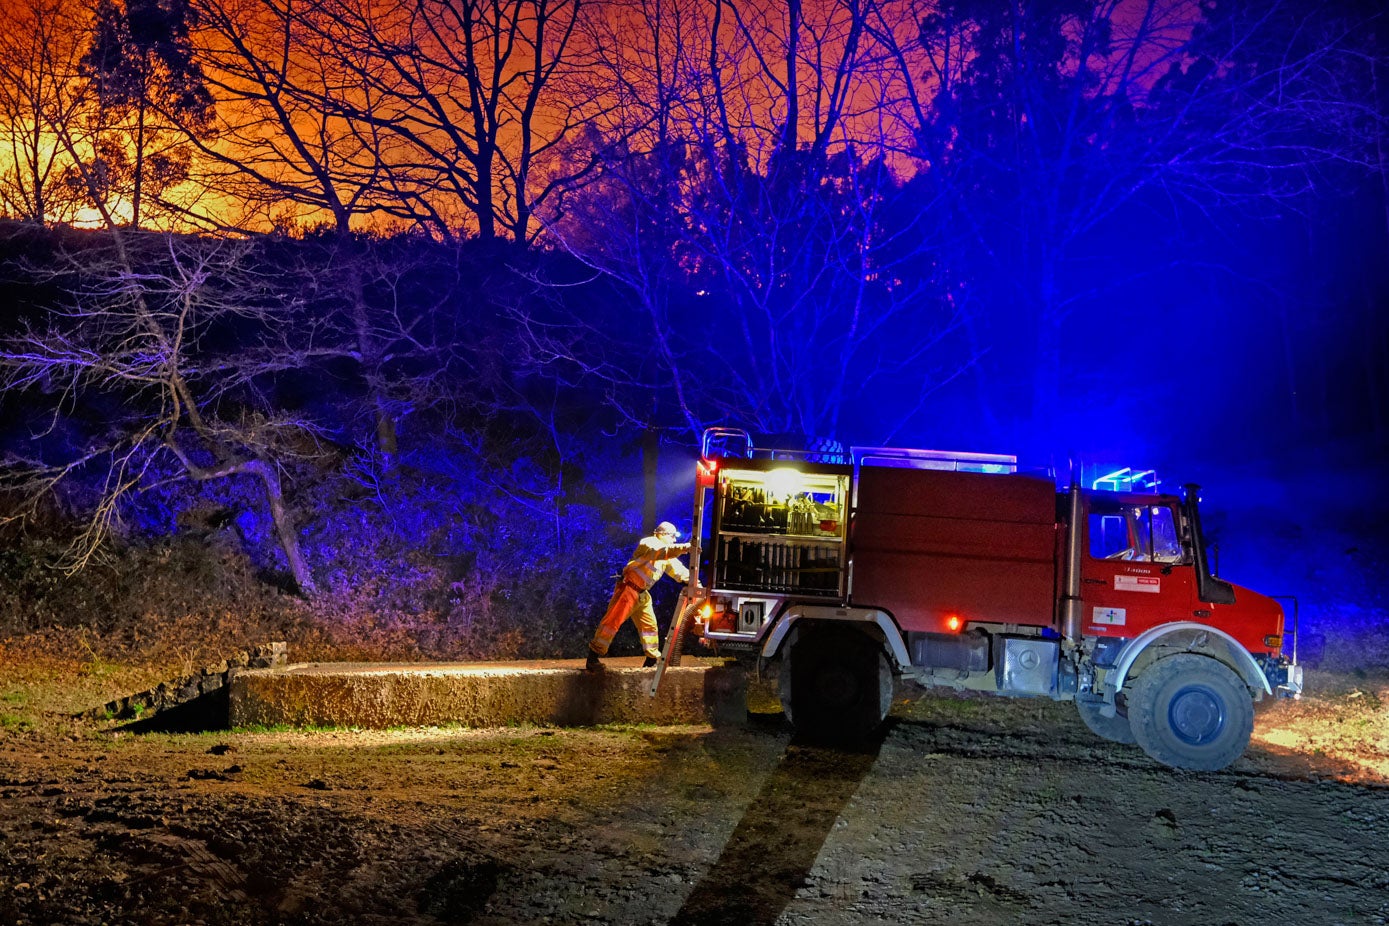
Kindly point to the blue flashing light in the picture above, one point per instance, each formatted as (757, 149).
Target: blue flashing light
(1128, 479)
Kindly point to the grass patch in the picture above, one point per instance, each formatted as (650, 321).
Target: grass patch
(44, 692)
(266, 728)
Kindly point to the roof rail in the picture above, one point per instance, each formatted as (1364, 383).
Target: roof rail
(956, 460)
(736, 443)
(715, 443)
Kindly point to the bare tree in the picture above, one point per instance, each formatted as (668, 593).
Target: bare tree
(145, 83)
(460, 98)
(289, 147)
(370, 313)
(282, 155)
(40, 46)
(142, 330)
(780, 263)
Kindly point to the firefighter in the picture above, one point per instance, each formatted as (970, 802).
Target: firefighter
(632, 596)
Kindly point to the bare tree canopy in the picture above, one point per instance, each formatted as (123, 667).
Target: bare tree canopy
(39, 87)
(863, 218)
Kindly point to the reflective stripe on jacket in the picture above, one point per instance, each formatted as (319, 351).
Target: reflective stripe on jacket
(654, 556)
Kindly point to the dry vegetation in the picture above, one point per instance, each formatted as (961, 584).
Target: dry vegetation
(643, 825)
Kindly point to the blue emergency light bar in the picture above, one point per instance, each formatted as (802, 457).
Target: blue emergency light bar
(1128, 479)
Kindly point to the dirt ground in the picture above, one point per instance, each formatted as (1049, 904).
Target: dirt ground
(969, 810)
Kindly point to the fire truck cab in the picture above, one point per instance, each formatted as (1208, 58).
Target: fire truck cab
(844, 572)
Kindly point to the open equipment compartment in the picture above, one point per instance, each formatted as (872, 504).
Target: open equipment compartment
(779, 528)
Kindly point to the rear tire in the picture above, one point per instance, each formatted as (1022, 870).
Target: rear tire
(1116, 729)
(840, 685)
(1191, 711)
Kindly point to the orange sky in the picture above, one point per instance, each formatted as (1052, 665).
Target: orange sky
(272, 75)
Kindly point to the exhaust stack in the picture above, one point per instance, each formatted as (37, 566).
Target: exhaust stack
(1070, 600)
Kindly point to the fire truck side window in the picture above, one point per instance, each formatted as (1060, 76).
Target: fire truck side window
(1141, 533)
(1109, 535)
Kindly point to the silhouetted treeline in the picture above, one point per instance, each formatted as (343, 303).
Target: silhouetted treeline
(534, 232)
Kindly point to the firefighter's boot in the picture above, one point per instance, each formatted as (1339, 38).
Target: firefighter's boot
(594, 664)
(649, 663)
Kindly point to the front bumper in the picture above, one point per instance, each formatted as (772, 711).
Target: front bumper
(1285, 678)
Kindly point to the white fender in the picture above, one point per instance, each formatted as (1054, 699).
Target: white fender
(1114, 679)
(885, 623)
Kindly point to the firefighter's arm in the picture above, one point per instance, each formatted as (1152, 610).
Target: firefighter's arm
(649, 552)
(676, 569)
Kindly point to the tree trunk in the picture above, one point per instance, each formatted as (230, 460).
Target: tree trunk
(284, 527)
(387, 441)
(482, 192)
(790, 132)
(369, 351)
(274, 499)
(650, 457)
(139, 178)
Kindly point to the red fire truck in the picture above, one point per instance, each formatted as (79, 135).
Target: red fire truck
(844, 572)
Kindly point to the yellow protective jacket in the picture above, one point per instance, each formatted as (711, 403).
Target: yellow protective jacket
(654, 556)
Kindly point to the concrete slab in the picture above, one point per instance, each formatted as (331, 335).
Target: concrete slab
(489, 694)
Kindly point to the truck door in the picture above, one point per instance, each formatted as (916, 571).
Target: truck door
(1135, 573)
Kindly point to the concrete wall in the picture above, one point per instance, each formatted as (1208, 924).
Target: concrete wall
(484, 695)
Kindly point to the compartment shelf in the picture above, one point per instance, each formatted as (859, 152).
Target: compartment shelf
(777, 535)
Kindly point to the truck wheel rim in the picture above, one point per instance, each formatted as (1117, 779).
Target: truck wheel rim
(836, 687)
(1196, 715)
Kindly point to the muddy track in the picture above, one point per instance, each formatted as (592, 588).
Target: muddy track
(1023, 818)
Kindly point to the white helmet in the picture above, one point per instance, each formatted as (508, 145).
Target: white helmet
(665, 527)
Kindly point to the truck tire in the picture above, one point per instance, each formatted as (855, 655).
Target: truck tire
(1116, 729)
(840, 685)
(1191, 711)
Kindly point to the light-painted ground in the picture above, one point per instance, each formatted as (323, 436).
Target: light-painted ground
(969, 811)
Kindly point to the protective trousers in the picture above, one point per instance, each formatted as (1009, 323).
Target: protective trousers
(628, 601)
